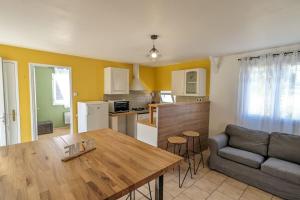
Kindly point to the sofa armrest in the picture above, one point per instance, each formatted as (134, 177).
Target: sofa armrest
(217, 142)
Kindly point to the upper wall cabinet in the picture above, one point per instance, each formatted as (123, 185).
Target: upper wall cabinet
(189, 82)
(178, 83)
(116, 80)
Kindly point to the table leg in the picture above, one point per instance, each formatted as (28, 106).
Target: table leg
(159, 188)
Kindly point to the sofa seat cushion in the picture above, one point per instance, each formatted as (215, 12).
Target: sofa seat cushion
(285, 170)
(241, 156)
(249, 140)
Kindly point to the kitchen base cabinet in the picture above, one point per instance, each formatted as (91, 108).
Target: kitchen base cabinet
(147, 134)
(124, 123)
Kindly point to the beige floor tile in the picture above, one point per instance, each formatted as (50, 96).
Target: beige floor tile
(201, 172)
(206, 185)
(252, 193)
(167, 196)
(181, 197)
(195, 193)
(236, 183)
(145, 190)
(172, 188)
(218, 196)
(230, 190)
(215, 177)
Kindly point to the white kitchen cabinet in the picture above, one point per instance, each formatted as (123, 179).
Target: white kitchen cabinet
(116, 80)
(178, 82)
(190, 82)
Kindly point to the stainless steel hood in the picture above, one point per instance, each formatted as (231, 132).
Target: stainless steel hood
(136, 84)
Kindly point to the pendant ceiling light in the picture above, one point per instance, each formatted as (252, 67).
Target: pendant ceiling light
(153, 53)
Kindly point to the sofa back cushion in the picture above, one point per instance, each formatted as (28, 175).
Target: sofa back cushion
(247, 139)
(285, 146)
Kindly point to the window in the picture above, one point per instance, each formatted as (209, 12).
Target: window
(167, 97)
(269, 93)
(61, 87)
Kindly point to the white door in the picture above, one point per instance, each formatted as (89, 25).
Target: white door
(10, 77)
(2, 108)
(9, 100)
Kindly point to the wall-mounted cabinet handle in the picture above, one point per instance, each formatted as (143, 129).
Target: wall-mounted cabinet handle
(14, 115)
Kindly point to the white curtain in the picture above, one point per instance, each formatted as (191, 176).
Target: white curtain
(269, 93)
(62, 83)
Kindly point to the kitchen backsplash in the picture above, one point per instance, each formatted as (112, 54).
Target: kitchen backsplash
(136, 98)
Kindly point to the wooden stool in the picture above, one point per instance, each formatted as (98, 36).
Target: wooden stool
(179, 141)
(193, 135)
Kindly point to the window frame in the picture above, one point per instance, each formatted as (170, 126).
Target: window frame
(167, 92)
(55, 101)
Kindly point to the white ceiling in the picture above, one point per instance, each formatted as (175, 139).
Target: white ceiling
(119, 30)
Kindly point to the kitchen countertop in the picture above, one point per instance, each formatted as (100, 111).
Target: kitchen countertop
(131, 112)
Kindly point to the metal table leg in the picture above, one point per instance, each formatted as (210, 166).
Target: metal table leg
(159, 188)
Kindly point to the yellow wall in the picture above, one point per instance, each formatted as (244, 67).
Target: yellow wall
(87, 78)
(163, 74)
(147, 77)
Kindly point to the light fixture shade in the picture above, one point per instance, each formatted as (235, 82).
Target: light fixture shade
(153, 53)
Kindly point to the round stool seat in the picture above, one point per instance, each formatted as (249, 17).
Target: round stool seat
(191, 133)
(177, 140)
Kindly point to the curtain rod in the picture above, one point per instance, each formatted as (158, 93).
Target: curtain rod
(275, 54)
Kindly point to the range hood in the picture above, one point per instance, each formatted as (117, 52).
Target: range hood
(136, 84)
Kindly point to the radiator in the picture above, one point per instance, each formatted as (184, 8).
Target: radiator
(67, 117)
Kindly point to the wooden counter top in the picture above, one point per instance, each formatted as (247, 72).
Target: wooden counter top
(146, 122)
(119, 164)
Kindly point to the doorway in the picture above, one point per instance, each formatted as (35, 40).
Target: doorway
(9, 103)
(51, 101)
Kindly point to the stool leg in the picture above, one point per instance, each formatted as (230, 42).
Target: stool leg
(179, 176)
(189, 168)
(179, 150)
(167, 146)
(174, 148)
(150, 191)
(194, 159)
(174, 151)
(202, 159)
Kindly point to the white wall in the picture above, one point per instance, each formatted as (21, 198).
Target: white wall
(224, 87)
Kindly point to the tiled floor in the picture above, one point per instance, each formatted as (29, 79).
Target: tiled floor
(207, 184)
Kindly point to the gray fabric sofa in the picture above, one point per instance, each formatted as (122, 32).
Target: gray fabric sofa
(270, 162)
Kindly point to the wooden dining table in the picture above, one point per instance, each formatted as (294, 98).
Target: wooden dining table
(119, 164)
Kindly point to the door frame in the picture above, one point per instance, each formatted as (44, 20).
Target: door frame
(17, 95)
(33, 104)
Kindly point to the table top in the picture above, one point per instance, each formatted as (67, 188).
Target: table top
(119, 164)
